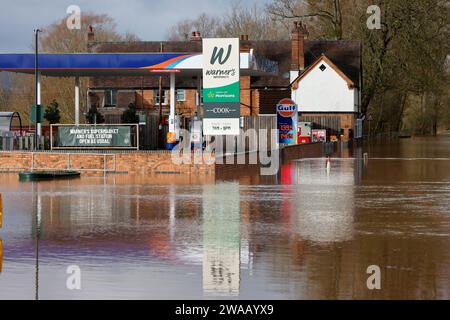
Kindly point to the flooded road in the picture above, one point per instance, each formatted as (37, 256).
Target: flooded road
(305, 234)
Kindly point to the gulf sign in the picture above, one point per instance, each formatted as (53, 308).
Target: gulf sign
(287, 118)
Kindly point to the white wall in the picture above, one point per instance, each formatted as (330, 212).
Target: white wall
(324, 91)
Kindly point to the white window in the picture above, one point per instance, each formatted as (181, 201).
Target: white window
(181, 95)
(110, 98)
(156, 97)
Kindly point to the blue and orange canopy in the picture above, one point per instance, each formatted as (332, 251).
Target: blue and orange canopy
(98, 64)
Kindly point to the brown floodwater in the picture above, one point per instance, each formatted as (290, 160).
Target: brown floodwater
(304, 234)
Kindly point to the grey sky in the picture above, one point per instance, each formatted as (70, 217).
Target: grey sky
(149, 19)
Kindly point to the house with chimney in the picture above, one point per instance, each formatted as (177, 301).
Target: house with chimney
(323, 77)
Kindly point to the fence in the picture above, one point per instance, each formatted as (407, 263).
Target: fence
(252, 127)
(151, 137)
(11, 143)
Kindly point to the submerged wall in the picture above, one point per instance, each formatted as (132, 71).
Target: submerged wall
(144, 162)
(122, 162)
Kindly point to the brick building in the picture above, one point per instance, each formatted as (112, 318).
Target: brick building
(259, 94)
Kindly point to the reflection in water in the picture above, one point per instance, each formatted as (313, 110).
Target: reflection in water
(305, 234)
(1, 225)
(221, 239)
(1, 210)
(324, 203)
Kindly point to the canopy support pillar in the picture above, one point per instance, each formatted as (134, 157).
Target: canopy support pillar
(77, 100)
(38, 102)
(172, 104)
(199, 97)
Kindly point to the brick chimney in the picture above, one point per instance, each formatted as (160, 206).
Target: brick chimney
(245, 44)
(91, 35)
(195, 36)
(299, 34)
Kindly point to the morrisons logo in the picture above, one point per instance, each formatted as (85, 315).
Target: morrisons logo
(218, 55)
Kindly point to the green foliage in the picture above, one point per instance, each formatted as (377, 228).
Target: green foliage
(52, 114)
(93, 116)
(129, 115)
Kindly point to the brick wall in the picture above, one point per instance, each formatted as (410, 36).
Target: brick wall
(126, 162)
(125, 98)
(268, 100)
(253, 101)
(302, 151)
(246, 97)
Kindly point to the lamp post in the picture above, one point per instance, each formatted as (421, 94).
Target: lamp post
(37, 79)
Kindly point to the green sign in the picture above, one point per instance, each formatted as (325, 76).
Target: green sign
(228, 93)
(221, 86)
(37, 114)
(95, 136)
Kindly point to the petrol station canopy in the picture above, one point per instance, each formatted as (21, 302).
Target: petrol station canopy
(125, 64)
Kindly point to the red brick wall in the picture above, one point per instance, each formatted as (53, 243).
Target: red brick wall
(311, 150)
(125, 98)
(253, 101)
(128, 162)
(268, 100)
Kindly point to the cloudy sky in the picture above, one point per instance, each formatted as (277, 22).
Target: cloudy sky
(148, 19)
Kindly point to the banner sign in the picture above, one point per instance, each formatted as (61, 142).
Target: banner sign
(305, 129)
(319, 135)
(287, 118)
(95, 136)
(221, 86)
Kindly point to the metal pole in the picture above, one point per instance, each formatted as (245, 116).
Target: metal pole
(37, 78)
(199, 97)
(77, 100)
(172, 103)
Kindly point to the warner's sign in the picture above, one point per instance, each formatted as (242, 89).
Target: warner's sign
(221, 87)
(287, 118)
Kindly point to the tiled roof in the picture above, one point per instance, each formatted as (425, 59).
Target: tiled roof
(345, 54)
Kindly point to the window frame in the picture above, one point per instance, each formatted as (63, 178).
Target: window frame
(110, 96)
(165, 102)
(177, 95)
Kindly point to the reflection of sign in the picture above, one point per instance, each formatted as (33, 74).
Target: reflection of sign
(287, 117)
(221, 240)
(319, 135)
(95, 136)
(1, 255)
(221, 91)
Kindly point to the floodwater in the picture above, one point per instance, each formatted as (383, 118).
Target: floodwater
(305, 234)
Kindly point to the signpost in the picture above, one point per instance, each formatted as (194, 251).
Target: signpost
(287, 118)
(221, 86)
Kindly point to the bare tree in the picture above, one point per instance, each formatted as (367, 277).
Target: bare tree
(205, 24)
(253, 21)
(57, 38)
(329, 11)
